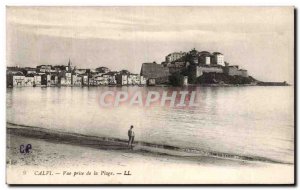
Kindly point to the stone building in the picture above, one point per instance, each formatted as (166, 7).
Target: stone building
(217, 58)
(177, 67)
(15, 79)
(76, 80)
(135, 79)
(193, 57)
(156, 71)
(204, 58)
(102, 69)
(85, 79)
(29, 80)
(43, 68)
(91, 81)
(143, 80)
(151, 82)
(174, 56)
(37, 79)
(28, 70)
(199, 70)
(65, 78)
(80, 71)
(54, 79)
(101, 80)
(46, 79)
(122, 79)
(234, 70)
(110, 77)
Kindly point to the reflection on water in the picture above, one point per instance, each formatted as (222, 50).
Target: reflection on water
(255, 121)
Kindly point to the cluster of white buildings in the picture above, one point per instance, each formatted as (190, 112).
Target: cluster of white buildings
(67, 75)
(114, 78)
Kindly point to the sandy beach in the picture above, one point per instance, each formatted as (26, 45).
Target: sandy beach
(51, 160)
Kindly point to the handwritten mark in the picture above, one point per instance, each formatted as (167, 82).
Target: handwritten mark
(25, 149)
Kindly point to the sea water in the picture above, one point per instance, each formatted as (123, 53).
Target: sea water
(252, 120)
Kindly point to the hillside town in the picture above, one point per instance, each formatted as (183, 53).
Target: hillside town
(189, 66)
(69, 75)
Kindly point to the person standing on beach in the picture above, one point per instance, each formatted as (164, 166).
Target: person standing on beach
(130, 136)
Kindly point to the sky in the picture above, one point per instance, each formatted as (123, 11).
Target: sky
(259, 39)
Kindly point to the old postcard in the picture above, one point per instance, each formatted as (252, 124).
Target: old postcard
(150, 95)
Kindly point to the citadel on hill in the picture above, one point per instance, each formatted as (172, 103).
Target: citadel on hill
(193, 65)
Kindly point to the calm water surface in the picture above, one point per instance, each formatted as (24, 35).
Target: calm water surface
(252, 121)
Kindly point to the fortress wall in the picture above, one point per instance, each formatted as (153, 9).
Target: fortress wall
(200, 70)
(233, 71)
(156, 71)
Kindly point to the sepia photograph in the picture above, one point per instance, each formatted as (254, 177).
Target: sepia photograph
(150, 95)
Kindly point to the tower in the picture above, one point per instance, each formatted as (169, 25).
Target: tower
(69, 65)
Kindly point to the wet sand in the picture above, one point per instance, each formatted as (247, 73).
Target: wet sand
(58, 152)
(116, 144)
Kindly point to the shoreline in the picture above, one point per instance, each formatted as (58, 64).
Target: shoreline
(115, 144)
(145, 168)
